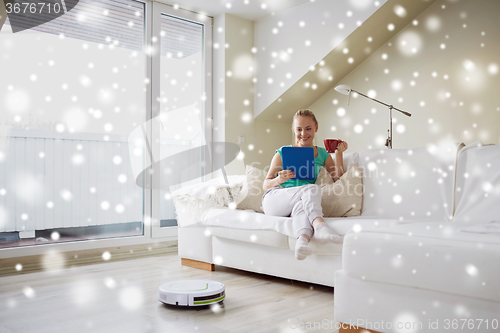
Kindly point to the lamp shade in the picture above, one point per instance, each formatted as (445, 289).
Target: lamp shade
(344, 89)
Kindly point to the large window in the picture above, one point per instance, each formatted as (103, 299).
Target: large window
(72, 91)
(180, 67)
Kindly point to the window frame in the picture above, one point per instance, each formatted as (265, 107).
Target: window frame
(152, 231)
(159, 9)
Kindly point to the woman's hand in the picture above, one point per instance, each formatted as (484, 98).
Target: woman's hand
(284, 175)
(342, 147)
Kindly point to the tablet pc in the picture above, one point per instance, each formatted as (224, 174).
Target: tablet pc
(300, 160)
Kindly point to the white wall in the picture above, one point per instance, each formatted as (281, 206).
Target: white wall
(232, 82)
(219, 74)
(449, 83)
(233, 95)
(290, 42)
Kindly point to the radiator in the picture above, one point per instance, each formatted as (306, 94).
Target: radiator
(56, 180)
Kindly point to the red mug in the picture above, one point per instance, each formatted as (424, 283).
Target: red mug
(331, 145)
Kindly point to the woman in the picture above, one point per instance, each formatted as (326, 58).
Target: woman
(301, 199)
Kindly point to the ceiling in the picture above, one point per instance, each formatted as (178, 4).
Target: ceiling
(301, 96)
(247, 9)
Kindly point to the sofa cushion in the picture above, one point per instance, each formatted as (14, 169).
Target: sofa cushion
(250, 196)
(193, 200)
(246, 225)
(477, 195)
(346, 225)
(344, 197)
(243, 219)
(248, 219)
(349, 159)
(270, 230)
(323, 178)
(255, 236)
(434, 256)
(409, 184)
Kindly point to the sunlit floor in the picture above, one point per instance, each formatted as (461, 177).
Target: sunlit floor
(123, 297)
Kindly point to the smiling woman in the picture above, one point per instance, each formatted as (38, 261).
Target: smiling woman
(301, 199)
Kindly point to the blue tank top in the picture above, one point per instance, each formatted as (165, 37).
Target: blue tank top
(319, 161)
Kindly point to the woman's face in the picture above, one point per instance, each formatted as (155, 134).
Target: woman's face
(304, 129)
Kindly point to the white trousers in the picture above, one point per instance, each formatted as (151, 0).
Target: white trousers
(302, 203)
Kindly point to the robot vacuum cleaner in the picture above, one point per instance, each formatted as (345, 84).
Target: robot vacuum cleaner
(191, 292)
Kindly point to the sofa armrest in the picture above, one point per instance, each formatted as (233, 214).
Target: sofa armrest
(192, 202)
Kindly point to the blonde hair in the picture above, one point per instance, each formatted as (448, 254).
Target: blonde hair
(304, 113)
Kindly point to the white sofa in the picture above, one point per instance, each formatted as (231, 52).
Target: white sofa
(411, 197)
(431, 276)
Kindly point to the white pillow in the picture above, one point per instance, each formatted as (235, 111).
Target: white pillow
(349, 159)
(192, 201)
(411, 184)
(478, 184)
(250, 196)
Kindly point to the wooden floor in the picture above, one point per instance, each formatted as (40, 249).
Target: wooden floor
(122, 296)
